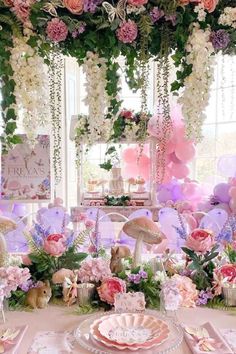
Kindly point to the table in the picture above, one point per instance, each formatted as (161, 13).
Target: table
(56, 318)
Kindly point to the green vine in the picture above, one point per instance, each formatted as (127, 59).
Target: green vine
(7, 84)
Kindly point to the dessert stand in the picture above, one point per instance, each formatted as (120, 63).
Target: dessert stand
(84, 338)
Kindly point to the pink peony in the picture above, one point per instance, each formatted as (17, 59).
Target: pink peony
(94, 270)
(200, 241)
(137, 2)
(74, 6)
(209, 5)
(127, 32)
(110, 287)
(187, 290)
(54, 245)
(57, 30)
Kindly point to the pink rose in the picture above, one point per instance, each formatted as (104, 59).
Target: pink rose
(209, 5)
(200, 241)
(110, 287)
(74, 6)
(54, 245)
(222, 275)
(137, 2)
(228, 272)
(187, 290)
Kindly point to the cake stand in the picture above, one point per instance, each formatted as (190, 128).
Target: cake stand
(83, 337)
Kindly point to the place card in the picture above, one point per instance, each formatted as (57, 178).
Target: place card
(130, 302)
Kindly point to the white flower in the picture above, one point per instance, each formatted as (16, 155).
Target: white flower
(201, 12)
(197, 85)
(136, 10)
(160, 276)
(228, 18)
(31, 89)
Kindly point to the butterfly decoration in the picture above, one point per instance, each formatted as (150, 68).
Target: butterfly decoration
(51, 7)
(115, 12)
(6, 337)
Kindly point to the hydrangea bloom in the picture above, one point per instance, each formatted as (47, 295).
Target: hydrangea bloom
(94, 270)
(220, 39)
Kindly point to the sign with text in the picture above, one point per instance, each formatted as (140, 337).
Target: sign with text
(25, 171)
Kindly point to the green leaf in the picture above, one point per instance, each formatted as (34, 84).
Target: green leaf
(106, 165)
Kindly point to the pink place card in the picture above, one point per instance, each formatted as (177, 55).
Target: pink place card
(129, 302)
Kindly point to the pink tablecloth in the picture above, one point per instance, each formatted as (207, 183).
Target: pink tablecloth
(57, 318)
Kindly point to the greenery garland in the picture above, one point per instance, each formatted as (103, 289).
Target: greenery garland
(7, 84)
(55, 89)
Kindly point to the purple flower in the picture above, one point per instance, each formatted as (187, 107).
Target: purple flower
(156, 14)
(81, 28)
(220, 39)
(171, 18)
(91, 5)
(203, 297)
(143, 274)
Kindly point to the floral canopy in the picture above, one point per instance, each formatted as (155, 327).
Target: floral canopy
(96, 33)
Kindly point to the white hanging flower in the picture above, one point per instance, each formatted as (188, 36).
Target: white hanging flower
(97, 98)
(31, 89)
(228, 17)
(197, 85)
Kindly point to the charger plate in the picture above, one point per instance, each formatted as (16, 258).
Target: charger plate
(84, 338)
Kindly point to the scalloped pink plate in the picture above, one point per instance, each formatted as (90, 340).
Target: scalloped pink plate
(164, 334)
(130, 328)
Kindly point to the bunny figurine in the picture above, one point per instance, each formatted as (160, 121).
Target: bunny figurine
(117, 253)
(39, 297)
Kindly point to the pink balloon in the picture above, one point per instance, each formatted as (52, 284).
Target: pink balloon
(232, 205)
(144, 160)
(174, 158)
(232, 192)
(130, 155)
(130, 170)
(180, 170)
(185, 151)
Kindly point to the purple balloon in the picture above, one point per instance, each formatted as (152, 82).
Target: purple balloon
(221, 191)
(177, 193)
(164, 195)
(226, 166)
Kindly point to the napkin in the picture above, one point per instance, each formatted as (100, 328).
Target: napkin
(230, 337)
(12, 348)
(50, 342)
(206, 336)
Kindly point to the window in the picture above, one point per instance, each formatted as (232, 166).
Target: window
(219, 129)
